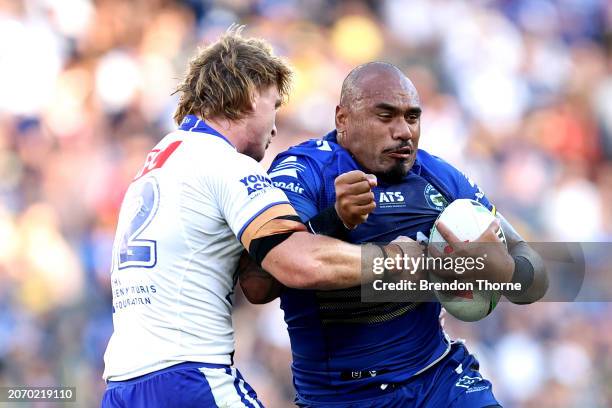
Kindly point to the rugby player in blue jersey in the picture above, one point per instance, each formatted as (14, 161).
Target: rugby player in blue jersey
(349, 353)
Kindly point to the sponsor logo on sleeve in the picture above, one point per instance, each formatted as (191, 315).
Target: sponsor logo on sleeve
(473, 384)
(467, 382)
(256, 183)
(290, 186)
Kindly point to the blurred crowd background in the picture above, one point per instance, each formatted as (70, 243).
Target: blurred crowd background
(517, 93)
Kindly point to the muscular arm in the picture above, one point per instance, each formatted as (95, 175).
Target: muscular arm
(259, 286)
(306, 261)
(354, 202)
(519, 248)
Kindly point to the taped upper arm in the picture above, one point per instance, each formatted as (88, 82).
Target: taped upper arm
(248, 201)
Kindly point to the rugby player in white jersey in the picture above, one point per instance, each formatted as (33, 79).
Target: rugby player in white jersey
(199, 200)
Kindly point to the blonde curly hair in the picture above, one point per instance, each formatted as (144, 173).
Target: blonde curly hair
(222, 77)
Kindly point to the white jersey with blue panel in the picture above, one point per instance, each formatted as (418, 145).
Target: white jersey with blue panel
(338, 343)
(184, 222)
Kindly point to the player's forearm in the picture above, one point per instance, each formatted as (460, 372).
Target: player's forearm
(305, 261)
(258, 286)
(536, 289)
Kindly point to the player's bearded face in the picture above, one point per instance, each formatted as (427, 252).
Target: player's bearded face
(384, 140)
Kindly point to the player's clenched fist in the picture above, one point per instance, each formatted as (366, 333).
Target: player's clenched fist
(354, 197)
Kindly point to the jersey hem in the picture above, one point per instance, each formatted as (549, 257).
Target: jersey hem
(222, 360)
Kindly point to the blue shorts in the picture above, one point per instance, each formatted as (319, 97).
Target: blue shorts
(454, 382)
(183, 385)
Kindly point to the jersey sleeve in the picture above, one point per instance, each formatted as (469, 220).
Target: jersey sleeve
(248, 200)
(459, 184)
(469, 189)
(297, 176)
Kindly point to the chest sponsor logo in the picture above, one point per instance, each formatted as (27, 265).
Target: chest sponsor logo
(389, 199)
(256, 183)
(434, 198)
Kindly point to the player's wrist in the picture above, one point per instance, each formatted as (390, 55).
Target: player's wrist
(328, 223)
(506, 269)
(347, 225)
(523, 273)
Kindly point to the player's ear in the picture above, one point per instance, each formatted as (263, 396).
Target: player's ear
(341, 117)
(255, 95)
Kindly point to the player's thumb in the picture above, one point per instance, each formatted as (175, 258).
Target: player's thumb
(491, 232)
(372, 180)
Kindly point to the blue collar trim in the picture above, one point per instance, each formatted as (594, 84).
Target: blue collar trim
(192, 123)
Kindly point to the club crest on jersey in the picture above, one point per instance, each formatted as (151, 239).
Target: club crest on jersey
(255, 183)
(434, 198)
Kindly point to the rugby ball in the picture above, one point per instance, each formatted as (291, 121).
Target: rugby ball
(467, 219)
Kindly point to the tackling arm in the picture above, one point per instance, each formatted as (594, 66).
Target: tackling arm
(354, 202)
(258, 286)
(307, 261)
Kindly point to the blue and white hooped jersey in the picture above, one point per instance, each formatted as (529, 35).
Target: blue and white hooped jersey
(338, 343)
(184, 221)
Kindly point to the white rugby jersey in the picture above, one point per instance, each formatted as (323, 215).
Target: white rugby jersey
(177, 247)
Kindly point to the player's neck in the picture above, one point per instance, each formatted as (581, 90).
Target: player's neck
(234, 131)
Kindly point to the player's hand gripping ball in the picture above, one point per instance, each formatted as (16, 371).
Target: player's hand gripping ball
(468, 220)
